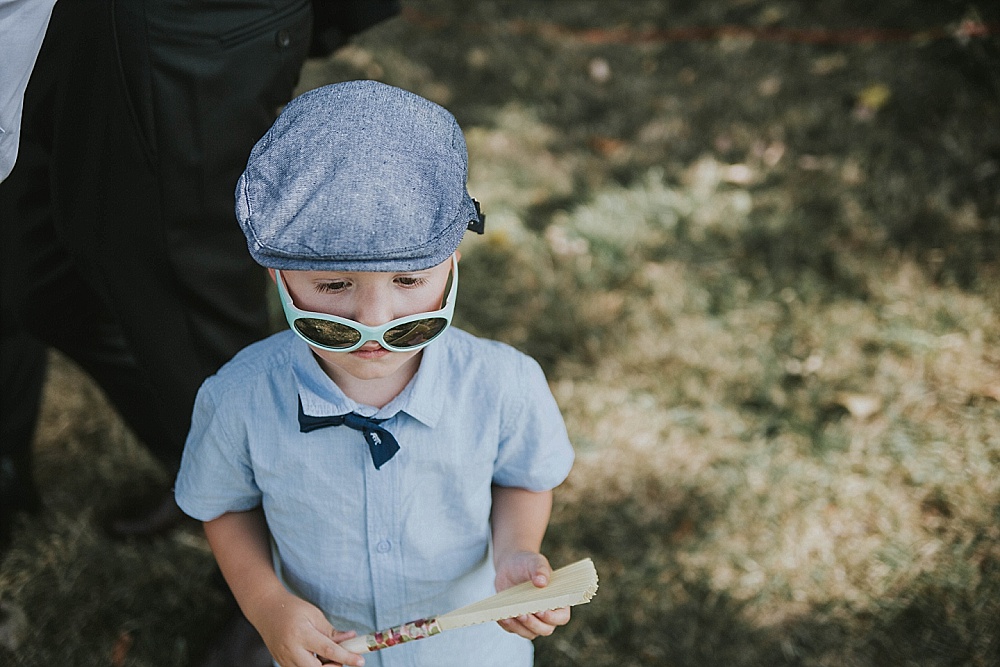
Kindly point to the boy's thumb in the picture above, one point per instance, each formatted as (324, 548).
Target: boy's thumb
(542, 574)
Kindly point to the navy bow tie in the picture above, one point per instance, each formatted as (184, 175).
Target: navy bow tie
(381, 444)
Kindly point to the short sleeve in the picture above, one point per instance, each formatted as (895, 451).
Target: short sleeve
(215, 474)
(534, 452)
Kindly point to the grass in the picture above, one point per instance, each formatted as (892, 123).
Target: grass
(763, 279)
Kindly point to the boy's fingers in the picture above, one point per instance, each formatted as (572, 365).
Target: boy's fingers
(327, 650)
(323, 644)
(535, 625)
(555, 616)
(530, 626)
(514, 626)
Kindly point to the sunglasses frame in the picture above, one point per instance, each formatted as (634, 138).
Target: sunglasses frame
(293, 313)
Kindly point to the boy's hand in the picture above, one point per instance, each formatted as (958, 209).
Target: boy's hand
(298, 635)
(534, 567)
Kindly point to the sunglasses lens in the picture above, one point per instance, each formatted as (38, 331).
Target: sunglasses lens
(328, 334)
(416, 332)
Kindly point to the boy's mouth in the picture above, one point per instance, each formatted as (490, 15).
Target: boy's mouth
(371, 350)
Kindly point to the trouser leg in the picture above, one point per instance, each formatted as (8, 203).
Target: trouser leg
(210, 97)
(22, 372)
(49, 301)
(141, 134)
(73, 172)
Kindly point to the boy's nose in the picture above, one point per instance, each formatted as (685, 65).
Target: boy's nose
(372, 309)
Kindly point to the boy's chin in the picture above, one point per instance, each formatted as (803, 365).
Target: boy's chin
(375, 364)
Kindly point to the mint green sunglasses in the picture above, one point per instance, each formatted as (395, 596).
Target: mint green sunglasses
(339, 334)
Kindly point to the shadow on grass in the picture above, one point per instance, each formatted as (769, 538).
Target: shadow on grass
(91, 600)
(651, 610)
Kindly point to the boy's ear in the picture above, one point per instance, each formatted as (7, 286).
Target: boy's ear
(270, 272)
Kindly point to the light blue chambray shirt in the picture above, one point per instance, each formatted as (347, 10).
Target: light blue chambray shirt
(376, 548)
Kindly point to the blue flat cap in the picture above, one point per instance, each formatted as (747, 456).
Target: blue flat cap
(357, 176)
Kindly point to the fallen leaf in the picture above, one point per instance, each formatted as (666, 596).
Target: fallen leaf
(875, 96)
(599, 70)
(870, 100)
(119, 652)
(990, 391)
(829, 64)
(861, 406)
(606, 146)
(738, 174)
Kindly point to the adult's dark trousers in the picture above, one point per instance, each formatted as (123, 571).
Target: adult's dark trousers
(120, 245)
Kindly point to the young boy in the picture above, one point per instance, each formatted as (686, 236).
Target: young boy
(372, 466)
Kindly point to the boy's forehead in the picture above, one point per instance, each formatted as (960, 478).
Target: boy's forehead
(358, 176)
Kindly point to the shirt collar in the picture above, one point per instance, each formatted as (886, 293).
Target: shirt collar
(421, 398)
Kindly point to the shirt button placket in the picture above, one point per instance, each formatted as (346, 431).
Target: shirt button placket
(385, 553)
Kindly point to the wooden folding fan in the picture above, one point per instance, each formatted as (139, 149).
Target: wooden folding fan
(571, 585)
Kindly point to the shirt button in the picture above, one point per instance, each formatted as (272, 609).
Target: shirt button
(384, 546)
(283, 39)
